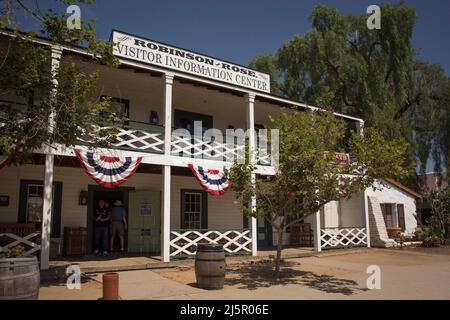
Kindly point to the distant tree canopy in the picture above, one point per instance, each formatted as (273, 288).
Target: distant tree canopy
(372, 74)
(29, 93)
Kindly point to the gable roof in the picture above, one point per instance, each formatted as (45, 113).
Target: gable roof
(404, 188)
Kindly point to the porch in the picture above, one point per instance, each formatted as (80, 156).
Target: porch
(195, 217)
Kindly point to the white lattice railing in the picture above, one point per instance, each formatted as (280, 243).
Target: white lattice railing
(195, 147)
(140, 140)
(26, 242)
(342, 237)
(184, 242)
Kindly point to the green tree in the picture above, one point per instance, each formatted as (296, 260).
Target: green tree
(29, 94)
(371, 74)
(307, 177)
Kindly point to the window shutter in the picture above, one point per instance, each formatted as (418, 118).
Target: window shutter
(383, 211)
(401, 216)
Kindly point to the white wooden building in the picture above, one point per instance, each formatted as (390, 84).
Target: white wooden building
(55, 191)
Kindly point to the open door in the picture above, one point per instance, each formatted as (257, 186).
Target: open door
(144, 216)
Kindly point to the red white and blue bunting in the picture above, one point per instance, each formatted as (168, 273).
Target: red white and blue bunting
(212, 181)
(108, 171)
(4, 161)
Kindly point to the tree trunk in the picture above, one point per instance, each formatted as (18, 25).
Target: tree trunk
(279, 248)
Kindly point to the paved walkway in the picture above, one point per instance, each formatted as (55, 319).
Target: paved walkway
(405, 274)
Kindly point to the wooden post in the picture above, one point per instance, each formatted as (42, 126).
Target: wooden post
(317, 242)
(365, 206)
(250, 113)
(364, 200)
(56, 53)
(166, 172)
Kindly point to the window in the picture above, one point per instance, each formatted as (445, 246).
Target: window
(192, 204)
(401, 216)
(193, 209)
(185, 119)
(35, 197)
(388, 210)
(119, 106)
(31, 200)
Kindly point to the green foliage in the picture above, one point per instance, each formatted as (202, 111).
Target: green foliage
(307, 177)
(370, 74)
(30, 95)
(266, 63)
(14, 252)
(440, 213)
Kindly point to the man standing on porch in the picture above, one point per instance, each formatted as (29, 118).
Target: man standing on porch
(119, 224)
(101, 223)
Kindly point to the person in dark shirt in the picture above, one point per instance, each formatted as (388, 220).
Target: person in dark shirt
(102, 218)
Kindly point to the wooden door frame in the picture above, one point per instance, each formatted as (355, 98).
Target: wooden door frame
(91, 206)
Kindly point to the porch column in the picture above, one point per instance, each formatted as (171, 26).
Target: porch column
(166, 170)
(365, 207)
(56, 53)
(364, 200)
(317, 244)
(250, 114)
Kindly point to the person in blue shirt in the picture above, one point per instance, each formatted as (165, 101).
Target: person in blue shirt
(118, 223)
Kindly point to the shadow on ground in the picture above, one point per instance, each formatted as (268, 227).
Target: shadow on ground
(254, 276)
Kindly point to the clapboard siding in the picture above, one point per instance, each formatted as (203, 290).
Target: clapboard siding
(223, 213)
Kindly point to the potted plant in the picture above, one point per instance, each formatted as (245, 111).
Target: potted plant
(19, 275)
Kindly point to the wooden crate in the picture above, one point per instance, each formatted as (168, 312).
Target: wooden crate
(75, 241)
(301, 235)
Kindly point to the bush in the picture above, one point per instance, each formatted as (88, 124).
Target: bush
(14, 252)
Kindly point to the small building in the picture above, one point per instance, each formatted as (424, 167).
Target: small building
(392, 212)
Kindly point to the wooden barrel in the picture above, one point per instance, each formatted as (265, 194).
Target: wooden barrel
(210, 266)
(19, 279)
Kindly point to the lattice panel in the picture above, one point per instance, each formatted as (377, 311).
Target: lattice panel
(184, 242)
(140, 140)
(9, 241)
(197, 148)
(342, 237)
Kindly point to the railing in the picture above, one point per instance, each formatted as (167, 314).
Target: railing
(9, 240)
(196, 147)
(235, 241)
(343, 237)
(142, 137)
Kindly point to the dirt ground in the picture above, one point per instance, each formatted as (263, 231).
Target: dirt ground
(403, 271)
(409, 273)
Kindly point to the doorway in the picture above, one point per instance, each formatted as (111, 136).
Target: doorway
(96, 193)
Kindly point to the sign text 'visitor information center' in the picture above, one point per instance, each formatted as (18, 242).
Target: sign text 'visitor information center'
(155, 53)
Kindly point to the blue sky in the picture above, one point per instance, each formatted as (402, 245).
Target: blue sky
(239, 30)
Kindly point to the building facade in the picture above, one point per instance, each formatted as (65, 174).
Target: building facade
(160, 89)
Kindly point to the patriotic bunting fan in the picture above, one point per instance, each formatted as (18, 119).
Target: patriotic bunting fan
(108, 171)
(212, 181)
(4, 161)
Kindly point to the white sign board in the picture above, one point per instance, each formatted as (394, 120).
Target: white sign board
(155, 53)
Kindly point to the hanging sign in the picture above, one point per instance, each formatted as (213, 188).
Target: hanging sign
(162, 55)
(212, 181)
(108, 171)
